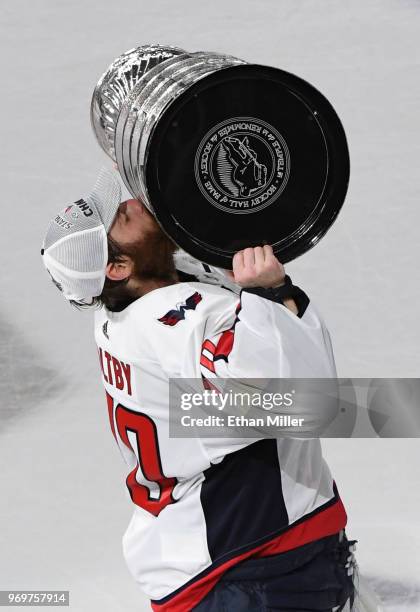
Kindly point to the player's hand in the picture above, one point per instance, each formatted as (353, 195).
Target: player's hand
(257, 267)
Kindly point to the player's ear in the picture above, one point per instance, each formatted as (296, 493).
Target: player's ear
(119, 270)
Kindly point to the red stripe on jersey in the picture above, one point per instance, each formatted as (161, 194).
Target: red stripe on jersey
(325, 523)
(225, 345)
(208, 344)
(209, 385)
(205, 361)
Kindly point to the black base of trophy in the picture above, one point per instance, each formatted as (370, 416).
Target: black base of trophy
(249, 155)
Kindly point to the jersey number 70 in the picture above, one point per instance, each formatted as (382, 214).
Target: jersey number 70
(139, 434)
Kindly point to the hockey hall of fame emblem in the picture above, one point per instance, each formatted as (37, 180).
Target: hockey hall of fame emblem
(242, 165)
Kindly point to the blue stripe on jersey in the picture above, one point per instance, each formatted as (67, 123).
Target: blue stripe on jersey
(242, 498)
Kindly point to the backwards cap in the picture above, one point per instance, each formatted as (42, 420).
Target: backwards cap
(75, 248)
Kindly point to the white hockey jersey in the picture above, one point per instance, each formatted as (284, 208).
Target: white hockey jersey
(203, 505)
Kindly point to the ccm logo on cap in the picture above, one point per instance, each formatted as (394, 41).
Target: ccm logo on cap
(85, 208)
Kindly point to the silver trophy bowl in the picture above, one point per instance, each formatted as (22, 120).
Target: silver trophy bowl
(132, 95)
(115, 85)
(224, 153)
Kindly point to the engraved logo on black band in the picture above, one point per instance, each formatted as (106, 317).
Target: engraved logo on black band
(242, 165)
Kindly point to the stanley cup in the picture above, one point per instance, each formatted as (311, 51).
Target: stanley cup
(224, 153)
(132, 95)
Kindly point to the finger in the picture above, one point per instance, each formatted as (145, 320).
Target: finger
(249, 258)
(238, 260)
(270, 256)
(268, 251)
(259, 256)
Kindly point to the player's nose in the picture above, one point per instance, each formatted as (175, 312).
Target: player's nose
(135, 205)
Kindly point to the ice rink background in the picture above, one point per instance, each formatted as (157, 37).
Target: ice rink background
(63, 506)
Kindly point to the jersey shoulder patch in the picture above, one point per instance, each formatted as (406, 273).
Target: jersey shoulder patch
(177, 314)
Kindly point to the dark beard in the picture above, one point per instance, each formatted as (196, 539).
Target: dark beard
(153, 256)
(153, 260)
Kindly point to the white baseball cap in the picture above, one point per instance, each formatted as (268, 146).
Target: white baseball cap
(75, 248)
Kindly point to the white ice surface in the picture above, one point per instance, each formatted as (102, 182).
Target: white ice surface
(62, 501)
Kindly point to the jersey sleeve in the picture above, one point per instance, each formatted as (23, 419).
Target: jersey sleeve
(264, 339)
(267, 342)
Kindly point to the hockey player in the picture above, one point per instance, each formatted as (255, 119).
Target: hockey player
(219, 523)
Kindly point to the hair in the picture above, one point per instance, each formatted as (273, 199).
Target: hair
(115, 295)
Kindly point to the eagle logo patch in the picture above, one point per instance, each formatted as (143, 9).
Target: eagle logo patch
(174, 316)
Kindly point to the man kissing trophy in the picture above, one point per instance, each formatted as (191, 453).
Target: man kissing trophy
(234, 169)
